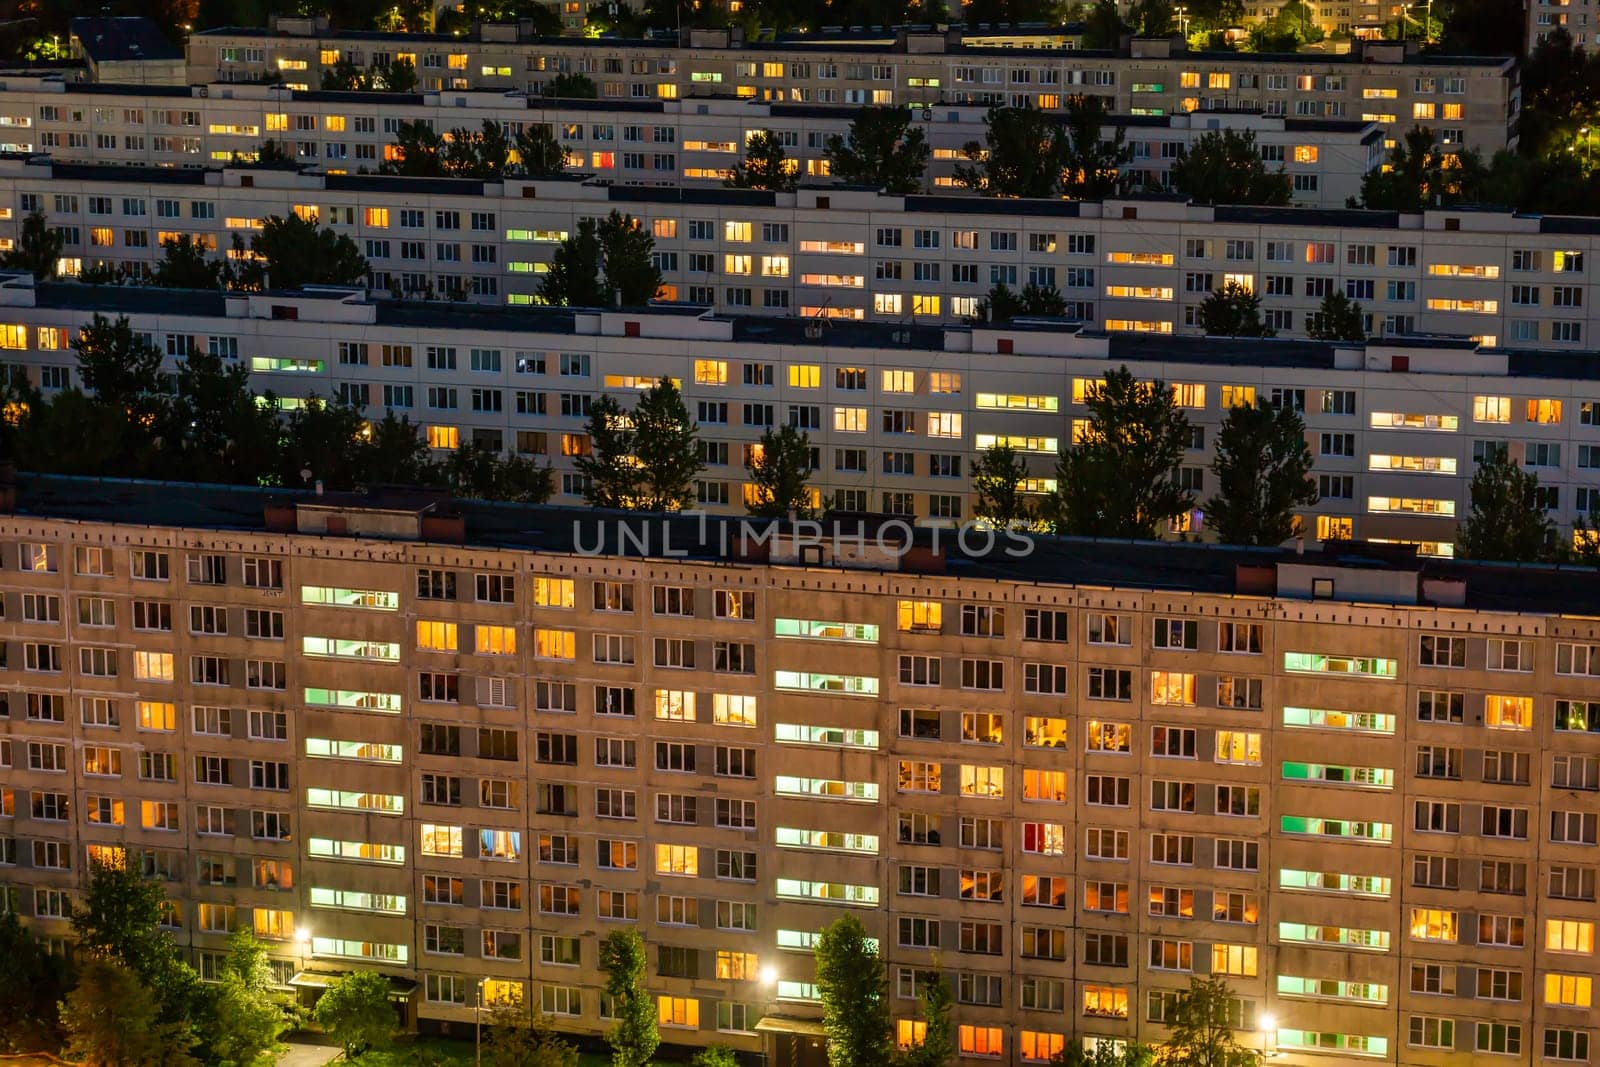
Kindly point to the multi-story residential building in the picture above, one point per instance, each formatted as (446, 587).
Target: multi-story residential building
(458, 744)
(896, 415)
(1546, 16)
(1130, 264)
(1470, 101)
(639, 142)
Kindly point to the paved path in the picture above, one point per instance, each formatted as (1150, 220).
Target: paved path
(305, 1054)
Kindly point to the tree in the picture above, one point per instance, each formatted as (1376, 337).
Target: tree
(218, 427)
(1263, 469)
(324, 437)
(1420, 175)
(1117, 480)
(539, 154)
(1104, 28)
(855, 997)
(1225, 167)
(572, 87)
(520, 1036)
(248, 1020)
(38, 248)
(765, 165)
(291, 252)
(611, 476)
(398, 76)
(120, 921)
(573, 279)
(938, 1044)
(479, 471)
(1024, 155)
(32, 981)
(120, 367)
(715, 1056)
(185, 265)
(1105, 1054)
(356, 1013)
(420, 150)
(631, 277)
(1200, 1034)
(883, 150)
(1152, 18)
(1508, 521)
(112, 1018)
(482, 154)
(1000, 304)
(666, 452)
(272, 153)
(1093, 162)
(1560, 92)
(634, 1038)
(1337, 318)
(780, 468)
(997, 481)
(1233, 311)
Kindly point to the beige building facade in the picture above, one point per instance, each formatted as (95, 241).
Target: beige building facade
(391, 734)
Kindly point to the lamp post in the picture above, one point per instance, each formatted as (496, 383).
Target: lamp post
(1183, 21)
(1405, 17)
(1267, 1023)
(1583, 131)
(477, 1025)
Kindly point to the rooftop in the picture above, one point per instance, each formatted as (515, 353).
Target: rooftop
(1175, 566)
(119, 40)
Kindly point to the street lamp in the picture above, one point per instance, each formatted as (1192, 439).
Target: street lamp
(1405, 17)
(1267, 1023)
(477, 1026)
(1583, 131)
(1183, 21)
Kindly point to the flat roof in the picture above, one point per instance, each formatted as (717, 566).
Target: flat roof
(122, 39)
(1153, 565)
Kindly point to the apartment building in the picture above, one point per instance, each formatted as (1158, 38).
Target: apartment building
(1358, 788)
(1545, 16)
(896, 416)
(1470, 101)
(1133, 264)
(639, 142)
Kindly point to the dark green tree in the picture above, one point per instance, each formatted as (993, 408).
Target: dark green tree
(1200, 1033)
(539, 154)
(854, 992)
(882, 150)
(184, 264)
(665, 448)
(938, 1045)
(355, 1012)
(631, 276)
(780, 470)
(38, 248)
(1263, 471)
(574, 278)
(715, 1056)
(272, 153)
(1419, 175)
(398, 76)
(420, 150)
(248, 1020)
(634, 1037)
(1337, 318)
(32, 981)
(395, 452)
(1103, 28)
(572, 87)
(291, 252)
(1117, 480)
(326, 438)
(611, 474)
(765, 165)
(1225, 167)
(1508, 521)
(121, 368)
(343, 76)
(219, 428)
(997, 482)
(521, 1036)
(480, 472)
(1233, 311)
(1560, 92)
(120, 922)
(1105, 1054)
(1094, 162)
(1152, 18)
(482, 154)
(1024, 154)
(1000, 304)
(112, 1018)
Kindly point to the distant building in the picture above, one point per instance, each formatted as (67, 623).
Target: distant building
(127, 51)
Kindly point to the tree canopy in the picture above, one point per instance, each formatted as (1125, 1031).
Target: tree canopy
(765, 165)
(997, 482)
(355, 1011)
(882, 150)
(1225, 167)
(1507, 520)
(1233, 311)
(290, 252)
(852, 984)
(1116, 479)
(633, 1036)
(603, 265)
(1263, 469)
(780, 469)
